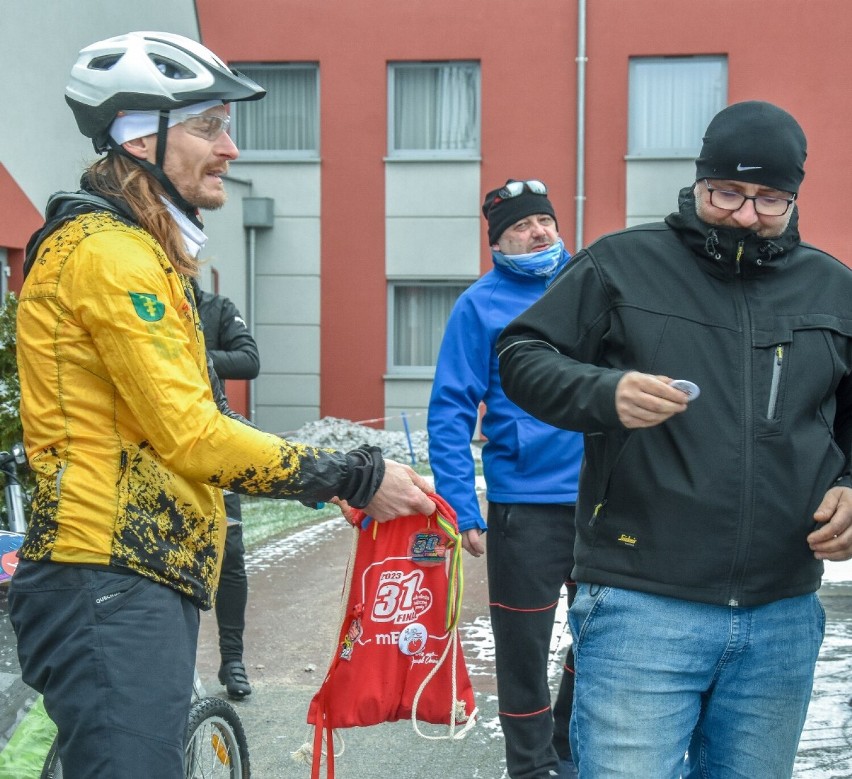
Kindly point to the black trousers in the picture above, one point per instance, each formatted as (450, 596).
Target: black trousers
(113, 653)
(530, 554)
(232, 596)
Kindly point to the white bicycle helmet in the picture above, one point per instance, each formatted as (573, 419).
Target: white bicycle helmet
(148, 71)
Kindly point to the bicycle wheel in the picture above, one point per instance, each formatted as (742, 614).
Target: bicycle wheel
(216, 745)
(52, 767)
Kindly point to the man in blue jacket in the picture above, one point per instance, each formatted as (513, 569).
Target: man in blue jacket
(531, 471)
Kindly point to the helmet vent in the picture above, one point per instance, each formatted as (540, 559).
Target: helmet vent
(147, 71)
(171, 69)
(104, 63)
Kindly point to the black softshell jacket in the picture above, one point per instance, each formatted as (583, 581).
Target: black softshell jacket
(715, 504)
(226, 337)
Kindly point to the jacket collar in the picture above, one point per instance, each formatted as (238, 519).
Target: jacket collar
(64, 206)
(730, 250)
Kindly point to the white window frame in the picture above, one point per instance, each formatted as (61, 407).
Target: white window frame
(671, 100)
(427, 370)
(274, 155)
(434, 154)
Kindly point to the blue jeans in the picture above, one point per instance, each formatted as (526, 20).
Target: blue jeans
(652, 670)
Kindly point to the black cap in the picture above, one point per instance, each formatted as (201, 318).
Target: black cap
(504, 212)
(754, 142)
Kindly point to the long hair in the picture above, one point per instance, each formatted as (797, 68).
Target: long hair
(115, 176)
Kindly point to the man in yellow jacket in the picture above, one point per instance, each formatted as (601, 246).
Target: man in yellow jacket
(129, 448)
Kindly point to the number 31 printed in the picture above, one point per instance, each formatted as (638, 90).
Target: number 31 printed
(395, 599)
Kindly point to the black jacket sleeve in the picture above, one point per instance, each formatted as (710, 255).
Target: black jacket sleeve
(232, 353)
(549, 356)
(364, 471)
(228, 341)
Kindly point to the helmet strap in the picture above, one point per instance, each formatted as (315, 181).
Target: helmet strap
(156, 170)
(162, 132)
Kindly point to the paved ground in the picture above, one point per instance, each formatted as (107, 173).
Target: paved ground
(292, 627)
(294, 601)
(293, 611)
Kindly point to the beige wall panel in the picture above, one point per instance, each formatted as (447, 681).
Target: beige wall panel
(285, 419)
(288, 300)
(431, 188)
(288, 349)
(432, 247)
(652, 187)
(39, 41)
(410, 396)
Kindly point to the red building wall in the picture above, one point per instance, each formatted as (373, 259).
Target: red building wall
(19, 218)
(527, 127)
(790, 52)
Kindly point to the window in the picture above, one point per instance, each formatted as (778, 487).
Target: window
(433, 110)
(672, 100)
(418, 315)
(285, 124)
(5, 272)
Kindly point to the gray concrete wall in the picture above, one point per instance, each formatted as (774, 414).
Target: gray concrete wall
(652, 187)
(39, 41)
(286, 315)
(432, 207)
(432, 232)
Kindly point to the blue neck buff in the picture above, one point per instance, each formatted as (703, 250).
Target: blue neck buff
(544, 264)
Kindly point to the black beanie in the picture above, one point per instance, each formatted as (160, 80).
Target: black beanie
(754, 142)
(502, 213)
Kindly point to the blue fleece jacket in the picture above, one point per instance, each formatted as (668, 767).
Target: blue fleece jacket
(524, 460)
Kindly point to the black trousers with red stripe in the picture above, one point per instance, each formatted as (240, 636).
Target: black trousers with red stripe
(530, 554)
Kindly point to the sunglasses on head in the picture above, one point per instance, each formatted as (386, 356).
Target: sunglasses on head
(515, 188)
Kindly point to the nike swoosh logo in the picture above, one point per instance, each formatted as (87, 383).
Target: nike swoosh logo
(748, 167)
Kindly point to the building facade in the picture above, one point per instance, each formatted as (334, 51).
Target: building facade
(353, 218)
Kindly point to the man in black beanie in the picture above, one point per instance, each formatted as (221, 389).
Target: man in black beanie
(708, 360)
(531, 471)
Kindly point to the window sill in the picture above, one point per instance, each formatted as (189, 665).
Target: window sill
(424, 375)
(432, 158)
(264, 157)
(686, 156)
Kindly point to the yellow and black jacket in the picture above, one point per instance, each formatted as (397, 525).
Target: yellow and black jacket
(120, 424)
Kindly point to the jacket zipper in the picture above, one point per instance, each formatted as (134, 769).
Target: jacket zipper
(776, 381)
(597, 512)
(122, 465)
(744, 527)
(59, 474)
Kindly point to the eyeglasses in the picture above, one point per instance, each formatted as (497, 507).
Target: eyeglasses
(734, 201)
(515, 188)
(207, 126)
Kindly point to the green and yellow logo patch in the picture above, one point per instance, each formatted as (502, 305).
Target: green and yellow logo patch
(147, 306)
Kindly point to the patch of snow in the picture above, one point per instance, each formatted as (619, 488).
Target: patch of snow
(343, 434)
(268, 555)
(825, 750)
(838, 572)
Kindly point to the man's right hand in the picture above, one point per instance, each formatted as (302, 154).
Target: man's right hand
(473, 541)
(401, 494)
(642, 400)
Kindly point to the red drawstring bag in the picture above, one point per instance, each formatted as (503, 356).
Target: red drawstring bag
(10, 543)
(398, 654)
